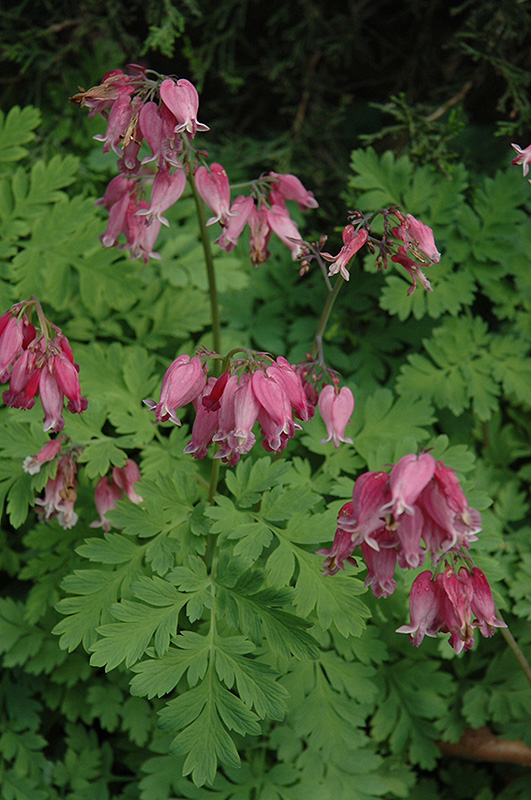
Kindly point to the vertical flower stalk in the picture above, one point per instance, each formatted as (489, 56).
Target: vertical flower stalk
(209, 264)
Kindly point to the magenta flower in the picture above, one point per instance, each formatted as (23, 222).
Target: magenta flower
(140, 235)
(424, 604)
(182, 100)
(106, 495)
(336, 407)
(282, 225)
(203, 430)
(369, 496)
(60, 495)
(285, 374)
(119, 119)
(408, 478)
(418, 239)
(444, 502)
(414, 270)
(523, 157)
(352, 242)
(52, 399)
(125, 478)
(482, 605)
(183, 382)
(409, 532)
(68, 382)
(342, 547)
(214, 189)
(239, 214)
(109, 491)
(290, 188)
(380, 563)
(167, 189)
(11, 342)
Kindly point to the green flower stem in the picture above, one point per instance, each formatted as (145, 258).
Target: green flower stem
(323, 322)
(513, 644)
(214, 477)
(211, 274)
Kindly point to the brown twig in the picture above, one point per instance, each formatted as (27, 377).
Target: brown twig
(439, 112)
(480, 744)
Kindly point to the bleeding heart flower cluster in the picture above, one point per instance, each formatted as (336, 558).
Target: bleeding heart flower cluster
(415, 240)
(398, 519)
(109, 491)
(446, 603)
(38, 362)
(161, 112)
(255, 389)
(264, 210)
(60, 491)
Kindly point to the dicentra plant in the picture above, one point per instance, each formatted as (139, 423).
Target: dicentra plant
(231, 655)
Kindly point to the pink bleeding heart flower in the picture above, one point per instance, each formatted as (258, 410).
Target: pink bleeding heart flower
(214, 189)
(125, 478)
(167, 189)
(282, 225)
(239, 214)
(182, 100)
(418, 239)
(352, 242)
(482, 605)
(380, 563)
(290, 188)
(106, 495)
(408, 478)
(260, 235)
(414, 270)
(183, 383)
(424, 608)
(336, 408)
(11, 343)
(52, 399)
(60, 495)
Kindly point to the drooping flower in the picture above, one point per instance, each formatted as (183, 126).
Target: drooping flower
(125, 477)
(352, 242)
(482, 605)
(424, 602)
(109, 491)
(182, 100)
(239, 214)
(342, 547)
(183, 382)
(418, 239)
(282, 225)
(32, 464)
(60, 495)
(214, 188)
(402, 258)
(167, 189)
(336, 406)
(290, 188)
(408, 478)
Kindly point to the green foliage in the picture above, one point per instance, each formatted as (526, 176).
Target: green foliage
(194, 649)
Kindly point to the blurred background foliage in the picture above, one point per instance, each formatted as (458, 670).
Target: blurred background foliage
(306, 80)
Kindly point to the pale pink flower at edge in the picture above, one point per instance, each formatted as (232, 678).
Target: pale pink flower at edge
(523, 157)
